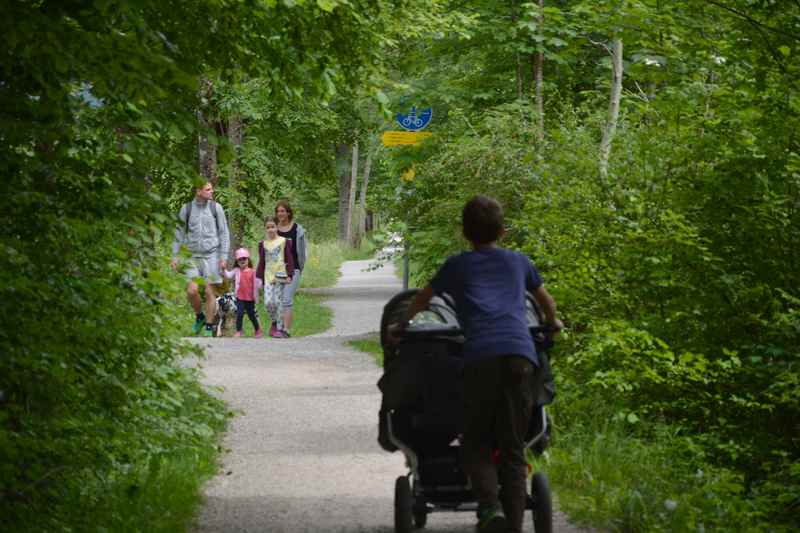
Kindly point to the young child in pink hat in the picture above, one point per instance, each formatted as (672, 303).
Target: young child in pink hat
(246, 287)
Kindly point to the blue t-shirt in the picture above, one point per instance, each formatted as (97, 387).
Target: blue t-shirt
(488, 286)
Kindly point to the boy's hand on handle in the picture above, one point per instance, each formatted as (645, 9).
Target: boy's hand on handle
(555, 326)
(394, 332)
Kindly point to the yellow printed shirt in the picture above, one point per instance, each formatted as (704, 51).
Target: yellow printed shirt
(272, 259)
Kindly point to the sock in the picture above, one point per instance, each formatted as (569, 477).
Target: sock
(209, 326)
(200, 316)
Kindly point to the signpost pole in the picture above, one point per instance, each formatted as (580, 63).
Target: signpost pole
(413, 123)
(405, 269)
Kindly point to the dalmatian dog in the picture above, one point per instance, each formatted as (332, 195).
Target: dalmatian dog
(225, 324)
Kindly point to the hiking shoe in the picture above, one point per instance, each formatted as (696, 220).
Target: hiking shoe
(273, 329)
(492, 521)
(237, 334)
(198, 324)
(259, 333)
(208, 332)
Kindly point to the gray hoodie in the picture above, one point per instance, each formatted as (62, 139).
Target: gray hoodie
(207, 235)
(301, 247)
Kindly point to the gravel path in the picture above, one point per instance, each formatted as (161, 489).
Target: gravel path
(303, 454)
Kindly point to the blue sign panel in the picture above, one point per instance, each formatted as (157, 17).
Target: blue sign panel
(414, 121)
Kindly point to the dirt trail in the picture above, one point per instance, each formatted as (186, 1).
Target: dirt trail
(303, 454)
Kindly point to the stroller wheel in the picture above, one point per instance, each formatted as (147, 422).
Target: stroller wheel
(403, 502)
(420, 518)
(420, 509)
(542, 504)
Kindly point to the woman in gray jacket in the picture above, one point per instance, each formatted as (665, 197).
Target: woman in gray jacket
(289, 229)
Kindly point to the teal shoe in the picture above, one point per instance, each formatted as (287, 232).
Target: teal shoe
(198, 325)
(492, 521)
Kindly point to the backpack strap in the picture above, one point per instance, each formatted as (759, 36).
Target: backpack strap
(186, 222)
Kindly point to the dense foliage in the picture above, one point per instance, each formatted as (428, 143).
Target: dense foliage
(98, 147)
(678, 275)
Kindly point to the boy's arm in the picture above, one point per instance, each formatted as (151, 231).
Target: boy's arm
(548, 305)
(420, 303)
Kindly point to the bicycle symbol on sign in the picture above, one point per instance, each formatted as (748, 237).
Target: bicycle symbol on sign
(413, 121)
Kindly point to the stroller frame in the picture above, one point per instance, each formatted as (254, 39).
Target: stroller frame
(416, 495)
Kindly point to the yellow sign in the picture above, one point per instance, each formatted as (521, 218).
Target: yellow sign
(399, 138)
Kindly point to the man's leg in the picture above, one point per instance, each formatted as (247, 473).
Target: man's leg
(193, 295)
(481, 398)
(211, 302)
(512, 423)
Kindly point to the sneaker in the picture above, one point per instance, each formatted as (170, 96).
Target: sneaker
(492, 521)
(273, 329)
(237, 334)
(198, 324)
(208, 332)
(284, 334)
(259, 333)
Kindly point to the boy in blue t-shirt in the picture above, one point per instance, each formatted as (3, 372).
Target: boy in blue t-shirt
(488, 285)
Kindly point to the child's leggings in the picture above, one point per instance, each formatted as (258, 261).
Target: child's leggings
(243, 307)
(273, 299)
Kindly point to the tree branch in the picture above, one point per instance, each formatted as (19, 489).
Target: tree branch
(753, 21)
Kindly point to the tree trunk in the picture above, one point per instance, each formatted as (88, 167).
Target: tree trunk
(351, 199)
(613, 108)
(236, 138)
(207, 150)
(519, 73)
(344, 190)
(537, 74)
(362, 202)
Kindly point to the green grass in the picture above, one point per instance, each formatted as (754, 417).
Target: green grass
(310, 317)
(609, 476)
(159, 491)
(324, 259)
(371, 346)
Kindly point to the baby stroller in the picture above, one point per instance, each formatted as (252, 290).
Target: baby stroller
(421, 412)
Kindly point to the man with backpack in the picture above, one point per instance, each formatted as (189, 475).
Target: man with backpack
(202, 227)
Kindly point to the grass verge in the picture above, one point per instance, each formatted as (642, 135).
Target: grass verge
(324, 259)
(371, 346)
(158, 488)
(651, 477)
(311, 316)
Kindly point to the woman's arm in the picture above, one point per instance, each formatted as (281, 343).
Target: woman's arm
(261, 266)
(288, 258)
